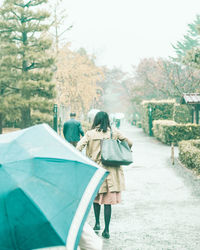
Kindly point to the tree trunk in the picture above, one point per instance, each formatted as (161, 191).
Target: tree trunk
(1, 123)
(25, 117)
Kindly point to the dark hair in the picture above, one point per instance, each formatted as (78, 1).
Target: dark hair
(72, 114)
(101, 118)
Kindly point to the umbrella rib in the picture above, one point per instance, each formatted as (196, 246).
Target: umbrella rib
(55, 188)
(48, 182)
(14, 243)
(6, 211)
(33, 235)
(20, 170)
(19, 145)
(36, 203)
(41, 228)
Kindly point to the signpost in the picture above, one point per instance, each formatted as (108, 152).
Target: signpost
(55, 117)
(150, 121)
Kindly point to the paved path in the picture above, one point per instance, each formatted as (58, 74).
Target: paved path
(161, 205)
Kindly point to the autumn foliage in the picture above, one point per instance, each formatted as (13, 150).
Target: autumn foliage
(163, 79)
(76, 79)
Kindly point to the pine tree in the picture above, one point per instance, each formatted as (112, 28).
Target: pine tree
(190, 40)
(25, 64)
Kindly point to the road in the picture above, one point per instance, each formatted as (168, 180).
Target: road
(160, 208)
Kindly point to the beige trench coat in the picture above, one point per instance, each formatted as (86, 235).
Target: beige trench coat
(92, 140)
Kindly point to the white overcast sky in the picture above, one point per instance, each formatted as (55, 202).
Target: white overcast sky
(121, 32)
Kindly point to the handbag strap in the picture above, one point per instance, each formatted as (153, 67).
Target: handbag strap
(111, 133)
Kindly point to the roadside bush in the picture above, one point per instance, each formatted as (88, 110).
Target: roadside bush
(138, 124)
(189, 154)
(158, 128)
(170, 131)
(182, 113)
(160, 110)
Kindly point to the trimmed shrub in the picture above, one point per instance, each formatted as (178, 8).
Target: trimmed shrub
(182, 113)
(160, 110)
(170, 131)
(189, 154)
(138, 124)
(158, 128)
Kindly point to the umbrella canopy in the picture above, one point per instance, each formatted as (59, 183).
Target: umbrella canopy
(46, 189)
(119, 115)
(92, 113)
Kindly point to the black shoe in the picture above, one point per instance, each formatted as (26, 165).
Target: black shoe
(96, 227)
(106, 235)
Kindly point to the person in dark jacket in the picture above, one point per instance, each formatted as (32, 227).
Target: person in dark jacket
(72, 130)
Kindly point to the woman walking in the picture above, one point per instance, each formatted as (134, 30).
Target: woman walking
(110, 191)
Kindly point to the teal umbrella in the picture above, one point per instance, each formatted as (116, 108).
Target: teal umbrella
(46, 189)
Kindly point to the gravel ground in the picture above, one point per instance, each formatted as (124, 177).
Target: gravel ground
(160, 208)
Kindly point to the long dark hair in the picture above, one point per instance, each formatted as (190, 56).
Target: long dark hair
(101, 118)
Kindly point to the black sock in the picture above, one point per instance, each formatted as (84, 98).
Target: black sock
(97, 209)
(107, 217)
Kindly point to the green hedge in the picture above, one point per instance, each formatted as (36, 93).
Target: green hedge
(189, 154)
(159, 128)
(160, 110)
(170, 131)
(182, 113)
(138, 124)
